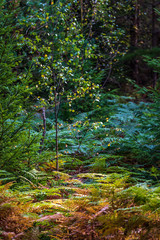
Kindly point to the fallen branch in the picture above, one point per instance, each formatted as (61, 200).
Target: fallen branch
(50, 217)
(100, 212)
(18, 235)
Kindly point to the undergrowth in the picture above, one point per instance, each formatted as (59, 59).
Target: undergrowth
(84, 206)
(108, 183)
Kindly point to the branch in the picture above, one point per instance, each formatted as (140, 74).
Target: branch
(100, 212)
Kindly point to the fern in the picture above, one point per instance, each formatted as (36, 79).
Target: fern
(7, 176)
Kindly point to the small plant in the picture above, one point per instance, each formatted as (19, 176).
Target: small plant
(12, 211)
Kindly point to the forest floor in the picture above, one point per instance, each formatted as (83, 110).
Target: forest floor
(89, 206)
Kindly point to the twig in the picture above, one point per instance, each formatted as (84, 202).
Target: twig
(100, 212)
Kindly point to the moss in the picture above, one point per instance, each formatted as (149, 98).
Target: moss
(60, 175)
(91, 175)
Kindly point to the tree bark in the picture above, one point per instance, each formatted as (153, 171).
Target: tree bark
(82, 12)
(134, 31)
(56, 127)
(154, 38)
(43, 113)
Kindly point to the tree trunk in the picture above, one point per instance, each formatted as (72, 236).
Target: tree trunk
(82, 12)
(56, 127)
(43, 113)
(134, 31)
(154, 38)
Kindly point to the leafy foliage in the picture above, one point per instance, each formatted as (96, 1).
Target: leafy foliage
(16, 137)
(128, 135)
